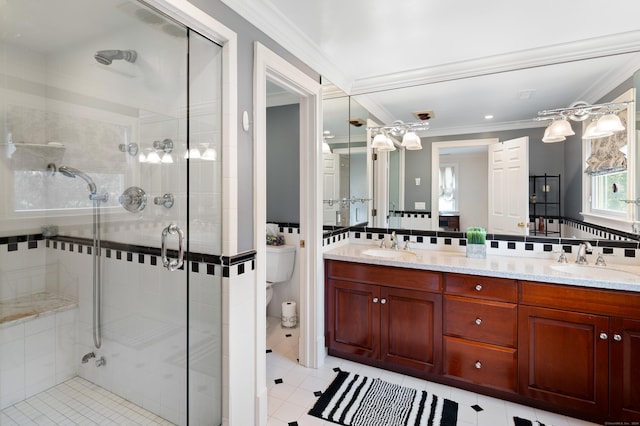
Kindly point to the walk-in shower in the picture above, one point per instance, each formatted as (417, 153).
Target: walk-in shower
(96, 252)
(86, 300)
(106, 57)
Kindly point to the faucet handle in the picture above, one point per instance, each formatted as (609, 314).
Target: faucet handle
(600, 260)
(406, 245)
(563, 257)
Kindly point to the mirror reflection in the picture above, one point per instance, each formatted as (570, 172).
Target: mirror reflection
(460, 112)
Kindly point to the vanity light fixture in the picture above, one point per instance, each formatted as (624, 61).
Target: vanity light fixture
(382, 142)
(326, 149)
(592, 131)
(210, 154)
(129, 148)
(410, 139)
(604, 126)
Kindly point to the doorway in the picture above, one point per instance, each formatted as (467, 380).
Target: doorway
(270, 67)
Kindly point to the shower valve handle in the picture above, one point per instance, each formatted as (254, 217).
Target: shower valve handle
(172, 264)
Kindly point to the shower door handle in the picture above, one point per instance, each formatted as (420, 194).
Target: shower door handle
(172, 264)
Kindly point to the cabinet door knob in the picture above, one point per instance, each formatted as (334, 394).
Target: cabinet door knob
(375, 300)
(478, 365)
(478, 287)
(617, 337)
(603, 336)
(478, 321)
(383, 301)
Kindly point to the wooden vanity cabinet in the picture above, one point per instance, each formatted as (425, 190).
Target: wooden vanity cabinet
(384, 316)
(576, 352)
(480, 330)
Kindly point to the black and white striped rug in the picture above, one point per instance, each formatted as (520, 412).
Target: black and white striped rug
(356, 400)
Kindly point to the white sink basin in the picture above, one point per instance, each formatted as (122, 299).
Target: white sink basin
(389, 253)
(594, 272)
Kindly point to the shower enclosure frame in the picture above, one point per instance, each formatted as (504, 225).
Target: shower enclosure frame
(207, 26)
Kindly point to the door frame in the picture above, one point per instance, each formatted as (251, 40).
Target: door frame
(435, 169)
(268, 66)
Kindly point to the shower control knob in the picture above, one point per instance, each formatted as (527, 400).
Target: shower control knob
(166, 200)
(133, 199)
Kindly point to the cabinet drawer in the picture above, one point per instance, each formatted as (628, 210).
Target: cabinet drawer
(410, 279)
(480, 363)
(483, 321)
(488, 288)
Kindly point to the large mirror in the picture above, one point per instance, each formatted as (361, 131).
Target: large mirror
(346, 175)
(460, 112)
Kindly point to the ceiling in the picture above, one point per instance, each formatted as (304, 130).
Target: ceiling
(462, 59)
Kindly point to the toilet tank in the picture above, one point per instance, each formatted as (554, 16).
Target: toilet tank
(280, 260)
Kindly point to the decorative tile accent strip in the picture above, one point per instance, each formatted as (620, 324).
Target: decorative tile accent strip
(85, 245)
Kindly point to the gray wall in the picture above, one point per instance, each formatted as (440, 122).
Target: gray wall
(247, 35)
(283, 164)
(543, 158)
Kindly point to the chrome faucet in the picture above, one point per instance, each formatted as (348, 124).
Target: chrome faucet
(394, 241)
(581, 256)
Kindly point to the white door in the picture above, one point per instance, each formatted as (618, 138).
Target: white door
(331, 189)
(509, 187)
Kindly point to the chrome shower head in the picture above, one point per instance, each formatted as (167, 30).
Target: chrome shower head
(71, 172)
(105, 57)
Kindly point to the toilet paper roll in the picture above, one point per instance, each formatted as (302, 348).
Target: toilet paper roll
(289, 314)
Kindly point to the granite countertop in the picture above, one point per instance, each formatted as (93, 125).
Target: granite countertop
(613, 276)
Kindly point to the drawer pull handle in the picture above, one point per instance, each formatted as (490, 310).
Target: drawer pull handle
(375, 300)
(603, 336)
(478, 365)
(617, 337)
(383, 301)
(478, 321)
(478, 287)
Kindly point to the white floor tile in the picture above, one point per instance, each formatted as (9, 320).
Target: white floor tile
(291, 400)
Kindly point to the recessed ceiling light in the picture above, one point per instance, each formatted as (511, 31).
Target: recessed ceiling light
(488, 117)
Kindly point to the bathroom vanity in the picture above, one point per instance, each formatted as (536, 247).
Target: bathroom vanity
(508, 327)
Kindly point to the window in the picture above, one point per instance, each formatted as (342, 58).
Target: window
(448, 200)
(609, 174)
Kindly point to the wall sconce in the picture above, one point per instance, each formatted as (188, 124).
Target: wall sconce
(410, 139)
(608, 123)
(129, 148)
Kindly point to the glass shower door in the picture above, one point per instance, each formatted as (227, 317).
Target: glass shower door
(110, 140)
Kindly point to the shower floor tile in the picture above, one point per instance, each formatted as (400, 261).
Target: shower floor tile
(78, 402)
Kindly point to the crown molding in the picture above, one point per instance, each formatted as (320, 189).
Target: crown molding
(609, 45)
(275, 25)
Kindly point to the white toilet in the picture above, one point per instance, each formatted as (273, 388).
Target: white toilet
(280, 261)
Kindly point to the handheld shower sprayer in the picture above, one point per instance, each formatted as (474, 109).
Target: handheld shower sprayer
(105, 57)
(71, 172)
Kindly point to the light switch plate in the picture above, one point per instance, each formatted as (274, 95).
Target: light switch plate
(419, 205)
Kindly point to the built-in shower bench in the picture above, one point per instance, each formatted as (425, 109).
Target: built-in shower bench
(24, 308)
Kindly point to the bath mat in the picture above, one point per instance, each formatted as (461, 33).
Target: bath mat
(356, 400)
(517, 421)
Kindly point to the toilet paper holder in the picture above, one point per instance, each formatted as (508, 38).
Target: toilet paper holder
(289, 318)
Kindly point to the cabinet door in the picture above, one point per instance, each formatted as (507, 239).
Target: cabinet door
(625, 369)
(564, 359)
(353, 318)
(411, 329)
